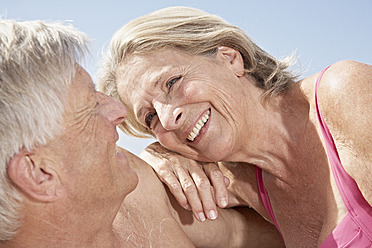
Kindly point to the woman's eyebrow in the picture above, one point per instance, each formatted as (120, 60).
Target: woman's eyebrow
(139, 113)
(159, 76)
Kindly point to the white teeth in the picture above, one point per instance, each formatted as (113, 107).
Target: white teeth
(195, 131)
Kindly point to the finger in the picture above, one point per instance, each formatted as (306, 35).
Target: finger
(219, 183)
(190, 190)
(206, 195)
(227, 181)
(171, 181)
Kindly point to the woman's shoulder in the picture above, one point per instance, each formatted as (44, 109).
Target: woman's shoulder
(339, 85)
(345, 91)
(344, 97)
(347, 75)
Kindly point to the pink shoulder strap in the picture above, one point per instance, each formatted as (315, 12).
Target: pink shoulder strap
(265, 197)
(356, 205)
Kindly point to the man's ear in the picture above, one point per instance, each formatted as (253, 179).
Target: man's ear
(233, 57)
(38, 180)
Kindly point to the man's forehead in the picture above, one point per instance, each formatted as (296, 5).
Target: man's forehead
(82, 78)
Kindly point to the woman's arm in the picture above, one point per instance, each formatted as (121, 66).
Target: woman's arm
(199, 187)
(235, 227)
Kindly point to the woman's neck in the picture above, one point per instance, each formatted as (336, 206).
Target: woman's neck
(279, 133)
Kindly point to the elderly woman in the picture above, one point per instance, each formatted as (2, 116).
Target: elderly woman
(299, 150)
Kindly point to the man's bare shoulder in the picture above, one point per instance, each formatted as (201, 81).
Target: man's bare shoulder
(150, 191)
(144, 219)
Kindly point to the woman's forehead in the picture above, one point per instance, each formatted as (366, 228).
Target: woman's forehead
(143, 67)
(163, 56)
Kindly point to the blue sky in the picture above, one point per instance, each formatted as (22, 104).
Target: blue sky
(321, 32)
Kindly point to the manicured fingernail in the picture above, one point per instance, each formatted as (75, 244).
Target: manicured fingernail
(187, 207)
(212, 215)
(201, 217)
(223, 202)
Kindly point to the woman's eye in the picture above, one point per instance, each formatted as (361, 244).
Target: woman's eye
(149, 117)
(172, 81)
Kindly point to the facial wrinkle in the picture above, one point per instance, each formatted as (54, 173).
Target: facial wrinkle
(85, 120)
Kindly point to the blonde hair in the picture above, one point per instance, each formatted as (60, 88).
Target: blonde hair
(195, 32)
(37, 63)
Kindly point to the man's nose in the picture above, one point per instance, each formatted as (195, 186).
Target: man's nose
(112, 109)
(170, 117)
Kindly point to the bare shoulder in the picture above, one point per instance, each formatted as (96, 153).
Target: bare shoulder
(143, 169)
(348, 74)
(150, 193)
(345, 97)
(144, 219)
(345, 94)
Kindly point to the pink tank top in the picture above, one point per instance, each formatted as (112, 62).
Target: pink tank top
(355, 229)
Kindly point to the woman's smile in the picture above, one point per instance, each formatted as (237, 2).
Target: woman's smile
(198, 126)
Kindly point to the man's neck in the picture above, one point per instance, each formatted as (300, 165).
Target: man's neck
(58, 239)
(58, 230)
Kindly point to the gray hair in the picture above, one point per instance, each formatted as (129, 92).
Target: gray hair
(37, 63)
(195, 32)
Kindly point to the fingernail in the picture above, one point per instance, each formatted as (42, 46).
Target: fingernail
(201, 217)
(187, 207)
(212, 215)
(223, 202)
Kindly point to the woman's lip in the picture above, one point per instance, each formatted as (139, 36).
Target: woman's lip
(202, 130)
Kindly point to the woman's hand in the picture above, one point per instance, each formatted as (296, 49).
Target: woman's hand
(196, 186)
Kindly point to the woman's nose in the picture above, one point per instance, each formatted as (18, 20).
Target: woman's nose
(112, 109)
(170, 117)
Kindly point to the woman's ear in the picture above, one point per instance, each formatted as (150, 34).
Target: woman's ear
(233, 57)
(37, 179)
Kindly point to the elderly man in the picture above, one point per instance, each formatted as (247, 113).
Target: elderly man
(63, 181)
